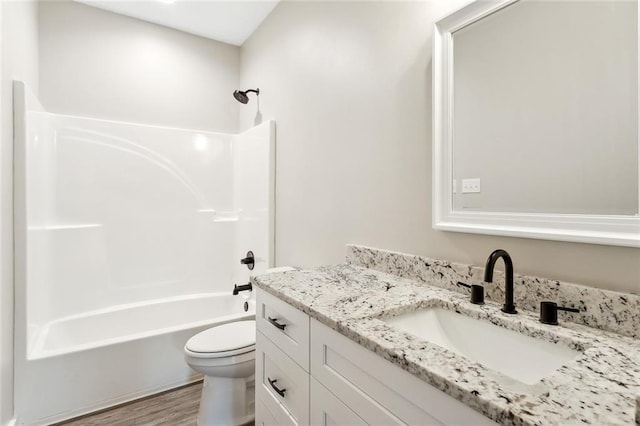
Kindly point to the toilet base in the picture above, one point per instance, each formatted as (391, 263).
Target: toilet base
(227, 401)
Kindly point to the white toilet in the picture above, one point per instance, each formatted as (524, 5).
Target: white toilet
(226, 356)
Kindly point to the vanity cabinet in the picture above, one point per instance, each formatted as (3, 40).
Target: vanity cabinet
(339, 381)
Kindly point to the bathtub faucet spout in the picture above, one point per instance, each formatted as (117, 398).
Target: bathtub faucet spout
(238, 288)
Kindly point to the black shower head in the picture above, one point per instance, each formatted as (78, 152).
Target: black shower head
(242, 96)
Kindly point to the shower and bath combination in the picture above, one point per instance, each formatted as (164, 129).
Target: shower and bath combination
(137, 280)
(242, 97)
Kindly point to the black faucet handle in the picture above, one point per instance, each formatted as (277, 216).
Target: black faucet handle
(250, 260)
(477, 292)
(549, 312)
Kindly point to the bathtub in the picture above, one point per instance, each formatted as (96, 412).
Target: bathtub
(87, 362)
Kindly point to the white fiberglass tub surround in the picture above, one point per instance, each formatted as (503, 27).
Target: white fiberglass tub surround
(128, 241)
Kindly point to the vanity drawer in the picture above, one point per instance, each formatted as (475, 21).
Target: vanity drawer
(271, 413)
(281, 384)
(284, 325)
(378, 391)
(264, 416)
(328, 410)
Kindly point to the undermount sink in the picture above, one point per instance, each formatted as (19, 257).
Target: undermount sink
(513, 354)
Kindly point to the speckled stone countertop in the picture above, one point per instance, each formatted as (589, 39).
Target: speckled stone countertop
(598, 308)
(598, 387)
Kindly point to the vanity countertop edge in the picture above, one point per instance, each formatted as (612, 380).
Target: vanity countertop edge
(602, 386)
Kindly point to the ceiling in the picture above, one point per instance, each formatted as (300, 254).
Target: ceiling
(227, 21)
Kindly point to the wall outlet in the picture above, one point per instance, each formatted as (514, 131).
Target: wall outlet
(470, 185)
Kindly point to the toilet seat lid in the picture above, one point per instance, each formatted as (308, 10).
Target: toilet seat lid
(231, 337)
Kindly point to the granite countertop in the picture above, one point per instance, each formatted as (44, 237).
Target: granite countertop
(598, 387)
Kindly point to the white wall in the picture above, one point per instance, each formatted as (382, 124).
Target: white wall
(99, 64)
(349, 85)
(19, 38)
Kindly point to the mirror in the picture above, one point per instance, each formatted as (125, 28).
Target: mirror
(536, 120)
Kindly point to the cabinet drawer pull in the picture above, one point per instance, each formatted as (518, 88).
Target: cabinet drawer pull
(276, 324)
(275, 388)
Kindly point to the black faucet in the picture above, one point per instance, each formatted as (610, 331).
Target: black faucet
(508, 306)
(238, 288)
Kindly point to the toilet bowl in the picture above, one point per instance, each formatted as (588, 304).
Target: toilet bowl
(225, 355)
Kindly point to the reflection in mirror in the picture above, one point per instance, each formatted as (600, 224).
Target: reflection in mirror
(535, 120)
(545, 109)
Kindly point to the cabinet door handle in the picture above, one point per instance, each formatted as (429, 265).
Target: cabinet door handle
(276, 324)
(275, 388)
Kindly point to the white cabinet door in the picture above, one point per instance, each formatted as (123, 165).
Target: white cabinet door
(327, 410)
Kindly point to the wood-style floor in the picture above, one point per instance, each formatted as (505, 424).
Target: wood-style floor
(177, 407)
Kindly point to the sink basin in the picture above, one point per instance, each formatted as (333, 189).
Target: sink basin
(515, 355)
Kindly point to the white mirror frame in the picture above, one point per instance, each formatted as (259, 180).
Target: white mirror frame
(595, 229)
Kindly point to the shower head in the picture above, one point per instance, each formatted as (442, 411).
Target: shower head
(242, 96)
